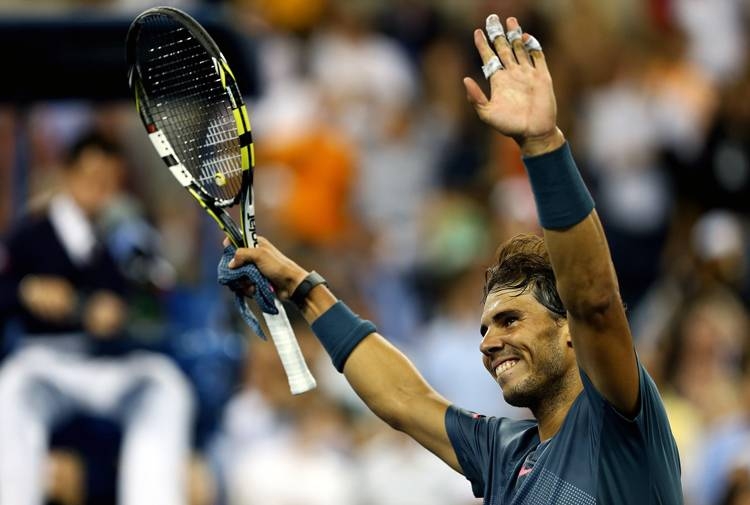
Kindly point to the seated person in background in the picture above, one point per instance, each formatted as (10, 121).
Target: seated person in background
(61, 284)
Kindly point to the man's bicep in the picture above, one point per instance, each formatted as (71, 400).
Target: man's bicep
(604, 350)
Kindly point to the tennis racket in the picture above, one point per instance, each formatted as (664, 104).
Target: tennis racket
(189, 102)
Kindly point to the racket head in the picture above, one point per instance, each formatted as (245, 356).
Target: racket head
(189, 101)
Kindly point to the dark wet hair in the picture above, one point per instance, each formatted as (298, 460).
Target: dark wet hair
(523, 264)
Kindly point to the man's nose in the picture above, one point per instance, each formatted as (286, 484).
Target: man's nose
(491, 343)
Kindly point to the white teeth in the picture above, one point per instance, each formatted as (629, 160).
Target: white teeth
(504, 366)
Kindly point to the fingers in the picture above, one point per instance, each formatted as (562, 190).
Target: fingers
(534, 49)
(497, 36)
(244, 255)
(512, 47)
(515, 36)
(483, 47)
(474, 93)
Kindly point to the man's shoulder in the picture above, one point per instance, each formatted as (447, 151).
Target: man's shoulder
(29, 224)
(492, 419)
(650, 405)
(496, 430)
(489, 447)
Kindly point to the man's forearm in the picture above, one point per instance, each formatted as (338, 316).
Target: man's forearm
(377, 371)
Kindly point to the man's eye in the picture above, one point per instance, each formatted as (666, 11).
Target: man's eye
(509, 321)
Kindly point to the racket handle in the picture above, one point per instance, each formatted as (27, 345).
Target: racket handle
(299, 376)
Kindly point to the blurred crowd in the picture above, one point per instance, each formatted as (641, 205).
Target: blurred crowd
(373, 170)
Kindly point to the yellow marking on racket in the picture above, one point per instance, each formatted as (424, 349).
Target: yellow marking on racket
(247, 152)
(238, 119)
(245, 155)
(243, 109)
(220, 179)
(197, 197)
(223, 77)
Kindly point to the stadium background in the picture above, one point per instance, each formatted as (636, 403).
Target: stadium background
(373, 170)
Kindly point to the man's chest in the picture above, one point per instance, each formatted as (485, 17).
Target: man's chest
(546, 474)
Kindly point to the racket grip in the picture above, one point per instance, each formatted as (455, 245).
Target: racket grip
(298, 374)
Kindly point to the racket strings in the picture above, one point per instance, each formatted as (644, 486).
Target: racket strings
(190, 105)
(219, 135)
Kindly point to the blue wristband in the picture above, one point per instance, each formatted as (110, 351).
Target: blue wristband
(340, 330)
(562, 199)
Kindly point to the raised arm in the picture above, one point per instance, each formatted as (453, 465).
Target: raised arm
(522, 106)
(378, 372)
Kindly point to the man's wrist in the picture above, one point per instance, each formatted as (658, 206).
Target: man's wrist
(300, 293)
(318, 299)
(340, 331)
(542, 144)
(562, 199)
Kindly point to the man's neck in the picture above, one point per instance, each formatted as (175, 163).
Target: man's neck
(551, 413)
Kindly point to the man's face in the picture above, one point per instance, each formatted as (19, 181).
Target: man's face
(524, 348)
(94, 179)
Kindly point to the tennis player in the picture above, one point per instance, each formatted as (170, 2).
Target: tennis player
(554, 332)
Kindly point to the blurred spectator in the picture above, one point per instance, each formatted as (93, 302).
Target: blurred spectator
(414, 476)
(700, 370)
(634, 197)
(269, 436)
(714, 261)
(312, 171)
(723, 57)
(738, 489)
(302, 465)
(717, 174)
(62, 285)
(721, 465)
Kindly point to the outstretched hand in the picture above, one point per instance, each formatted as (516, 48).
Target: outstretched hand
(522, 101)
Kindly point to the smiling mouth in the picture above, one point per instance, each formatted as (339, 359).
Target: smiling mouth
(505, 366)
